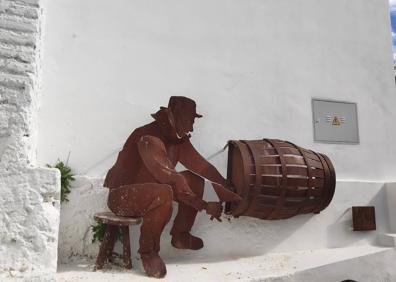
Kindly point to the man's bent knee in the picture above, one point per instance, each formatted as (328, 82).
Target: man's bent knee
(165, 191)
(162, 204)
(137, 199)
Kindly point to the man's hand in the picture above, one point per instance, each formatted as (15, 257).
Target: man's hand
(214, 209)
(225, 194)
(183, 193)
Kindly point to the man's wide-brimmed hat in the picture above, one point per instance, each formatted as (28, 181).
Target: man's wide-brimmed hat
(181, 103)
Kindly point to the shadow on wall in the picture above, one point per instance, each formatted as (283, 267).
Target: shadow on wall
(87, 197)
(231, 239)
(234, 237)
(340, 233)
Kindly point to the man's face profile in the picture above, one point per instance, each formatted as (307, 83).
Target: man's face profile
(184, 113)
(184, 121)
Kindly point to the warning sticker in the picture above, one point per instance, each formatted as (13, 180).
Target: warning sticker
(336, 121)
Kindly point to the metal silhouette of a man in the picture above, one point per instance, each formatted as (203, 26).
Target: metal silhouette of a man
(143, 182)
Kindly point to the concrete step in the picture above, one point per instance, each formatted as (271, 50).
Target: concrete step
(325, 265)
(387, 239)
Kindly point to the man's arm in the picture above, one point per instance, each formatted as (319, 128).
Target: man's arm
(192, 160)
(154, 156)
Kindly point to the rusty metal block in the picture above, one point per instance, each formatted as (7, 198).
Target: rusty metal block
(363, 218)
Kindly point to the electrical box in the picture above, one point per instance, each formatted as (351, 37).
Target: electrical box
(335, 121)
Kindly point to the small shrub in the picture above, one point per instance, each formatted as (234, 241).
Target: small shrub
(66, 179)
(98, 231)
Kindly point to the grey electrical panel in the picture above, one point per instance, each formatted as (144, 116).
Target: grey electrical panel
(335, 121)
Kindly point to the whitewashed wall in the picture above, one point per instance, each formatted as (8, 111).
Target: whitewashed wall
(29, 194)
(235, 238)
(252, 66)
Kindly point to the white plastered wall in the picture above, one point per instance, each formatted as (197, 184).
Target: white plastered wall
(29, 194)
(252, 66)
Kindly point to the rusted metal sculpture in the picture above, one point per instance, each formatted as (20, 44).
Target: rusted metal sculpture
(143, 182)
(278, 179)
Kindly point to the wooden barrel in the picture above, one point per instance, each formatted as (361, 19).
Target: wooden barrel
(278, 179)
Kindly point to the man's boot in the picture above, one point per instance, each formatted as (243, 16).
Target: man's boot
(181, 237)
(153, 265)
(184, 240)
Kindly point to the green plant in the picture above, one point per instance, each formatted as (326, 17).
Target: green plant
(98, 231)
(66, 179)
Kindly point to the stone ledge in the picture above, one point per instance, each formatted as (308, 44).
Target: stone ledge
(303, 266)
(27, 3)
(17, 38)
(30, 220)
(21, 54)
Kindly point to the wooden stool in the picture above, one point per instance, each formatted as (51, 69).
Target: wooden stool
(112, 223)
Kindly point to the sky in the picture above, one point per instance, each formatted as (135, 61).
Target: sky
(392, 4)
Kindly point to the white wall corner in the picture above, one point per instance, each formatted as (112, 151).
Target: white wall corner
(29, 195)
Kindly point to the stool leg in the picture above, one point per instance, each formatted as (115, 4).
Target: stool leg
(103, 248)
(126, 247)
(112, 240)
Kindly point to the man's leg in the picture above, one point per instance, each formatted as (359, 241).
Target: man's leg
(181, 237)
(153, 202)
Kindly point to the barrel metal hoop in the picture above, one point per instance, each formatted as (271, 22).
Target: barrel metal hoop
(326, 184)
(245, 161)
(257, 168)
(309, 175)
(330, 173)
(281, 199)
